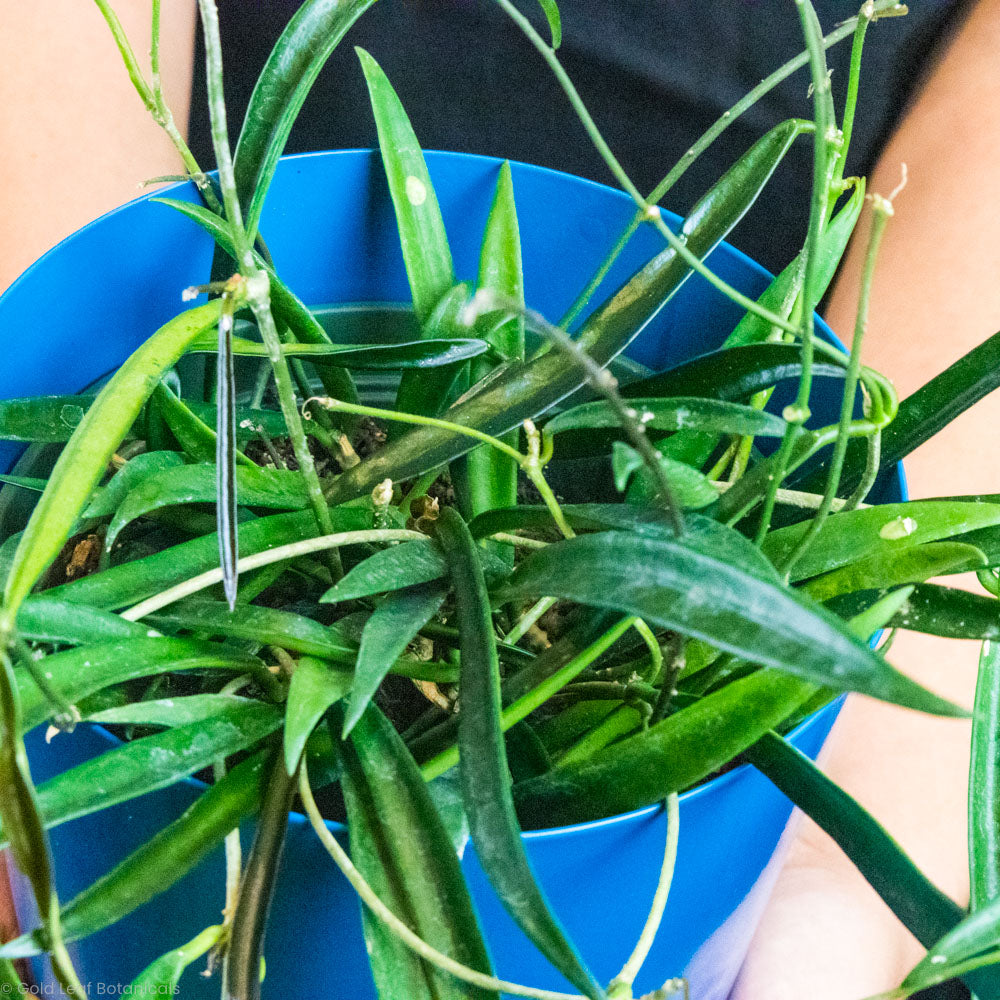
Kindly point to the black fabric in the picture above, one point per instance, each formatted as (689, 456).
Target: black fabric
(655, 74)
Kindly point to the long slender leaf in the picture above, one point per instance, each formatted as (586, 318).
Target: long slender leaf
(153, 762)
(881, 569)
(668, 757)
(77, 673)
(486, 780)
(984, 782)
(315, 687)
(402, 849)
(403, 565)
(878, 532)
(139, 579)
(388, 631)
(196, 438)
(430, 353)
(163, 860)
(291, 69)
(276, 489)
(692, 488)
(86, 455)
(945, 611)
(486, 478)
(133, 472)
(169, 712)
(923, 908)
(674, 586)
(44, 619)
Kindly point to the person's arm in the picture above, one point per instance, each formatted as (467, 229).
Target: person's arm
(936, 295)
(75, 140)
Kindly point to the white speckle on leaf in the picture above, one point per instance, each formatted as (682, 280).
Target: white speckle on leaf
(900, 527)
(938, 959)
(416, 191)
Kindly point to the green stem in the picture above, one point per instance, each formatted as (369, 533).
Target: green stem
(527, 703)
(882, 211)
(396, 926)
(257, 280)
(883, 8)
(524, 623)
(631, 968)
(797, 414)
(650, 212)
(865, 16)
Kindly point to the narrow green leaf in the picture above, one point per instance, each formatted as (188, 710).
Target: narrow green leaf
(169, 712)
(923, 908)
(153, 762)
(45, 619)
(50, 419)
(77, 673)
(161, 978)
(87, 453)
(276, 489)
(134, 581)
(487, 478)
(402, 849)
(163, 860)
(388, 631)
(673, 755)
(674, 414)
(315, 686)
(551, 11)
(669, 584)
(878, 532)
(984, 781)
(402, 565)
(300, 53)
(486, 780)
(267, 626)
(883, 569)
(948, 612)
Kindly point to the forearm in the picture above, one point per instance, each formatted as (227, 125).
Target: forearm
(75, 140)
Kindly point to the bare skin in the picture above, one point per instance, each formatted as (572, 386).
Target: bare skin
(69, 111)
(937, 295)
(826, 934)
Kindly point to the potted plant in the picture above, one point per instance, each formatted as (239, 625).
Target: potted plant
(419, 538)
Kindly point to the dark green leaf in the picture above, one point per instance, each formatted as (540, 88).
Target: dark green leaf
(403, 565)
(153, 762)
(315, 687)
(403, 851)
(256, 487)
(169, 712)
(923, 909)
(954, 614)
(45, 619)
(386, 634)
(163, 860)
(692, 488)
(486, 780)
(668, 757)
(300, 53)
(674, 414)
(77, 673)
(133, 472)
(669, 584)
(984, 782)
(42, 418)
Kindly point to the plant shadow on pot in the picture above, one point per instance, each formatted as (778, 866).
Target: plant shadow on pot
(599, 877)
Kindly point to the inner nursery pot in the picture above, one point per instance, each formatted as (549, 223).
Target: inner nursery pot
(330, 228)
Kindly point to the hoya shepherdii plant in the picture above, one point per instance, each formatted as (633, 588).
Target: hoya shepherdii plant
(791, 570)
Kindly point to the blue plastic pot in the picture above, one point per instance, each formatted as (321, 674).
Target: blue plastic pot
(88, 303)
